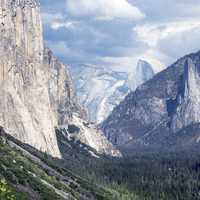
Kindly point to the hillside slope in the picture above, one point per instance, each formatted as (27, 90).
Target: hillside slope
(29, 174)
(159, 109)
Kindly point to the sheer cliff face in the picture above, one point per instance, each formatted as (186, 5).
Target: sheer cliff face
(187, 111)
(24, 97)
(21, 28)
(159, 109)
(36, 93)
(144, 72)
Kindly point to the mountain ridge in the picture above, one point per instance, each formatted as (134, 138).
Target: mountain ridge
(149, 111)
(100, 89)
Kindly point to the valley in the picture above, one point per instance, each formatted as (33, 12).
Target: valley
(94, 131)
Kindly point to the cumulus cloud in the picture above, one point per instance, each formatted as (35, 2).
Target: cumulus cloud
(119, 32)
(69, 54)
(180, 44)
(170, 39)
(104, 9)
(153, 33)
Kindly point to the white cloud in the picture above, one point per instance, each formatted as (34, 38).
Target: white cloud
(168, 41)
(180, 44)
(128, 63)
(48, 18)
(169, 30)
(104, 9)
(68, 24)
(151, 34)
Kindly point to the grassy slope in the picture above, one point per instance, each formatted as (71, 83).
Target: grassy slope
(26, 179)
(173, 176)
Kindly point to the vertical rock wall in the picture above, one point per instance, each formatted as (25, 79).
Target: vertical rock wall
(25, 108)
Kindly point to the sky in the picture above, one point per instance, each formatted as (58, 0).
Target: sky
(117, 33)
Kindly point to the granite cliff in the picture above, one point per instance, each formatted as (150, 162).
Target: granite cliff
(100, 89)
(36, 91)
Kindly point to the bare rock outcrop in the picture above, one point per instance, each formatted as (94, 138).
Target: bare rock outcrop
(35, 90)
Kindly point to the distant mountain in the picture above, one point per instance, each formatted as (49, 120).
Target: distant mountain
(143, 73)
(162, 112)
(100, 89)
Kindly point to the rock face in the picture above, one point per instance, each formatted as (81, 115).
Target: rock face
(88, 134)
(61, 91)
(188, 99)
(159, 109)
(36, 91)
(100, 89)
(24, 97)
(143, 73)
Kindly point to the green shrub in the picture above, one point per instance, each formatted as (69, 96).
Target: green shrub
(5, 191)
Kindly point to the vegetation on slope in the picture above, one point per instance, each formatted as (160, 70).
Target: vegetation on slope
(149, 176)
(28, 178)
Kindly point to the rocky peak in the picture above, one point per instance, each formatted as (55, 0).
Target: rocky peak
(188, 106)
(159, 109)
(144, 71)
(191, 79)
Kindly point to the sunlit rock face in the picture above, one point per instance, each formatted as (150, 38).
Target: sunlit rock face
(90, 135)
(160, 110)
(35, 89)
(142, 73)
(61, 91)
